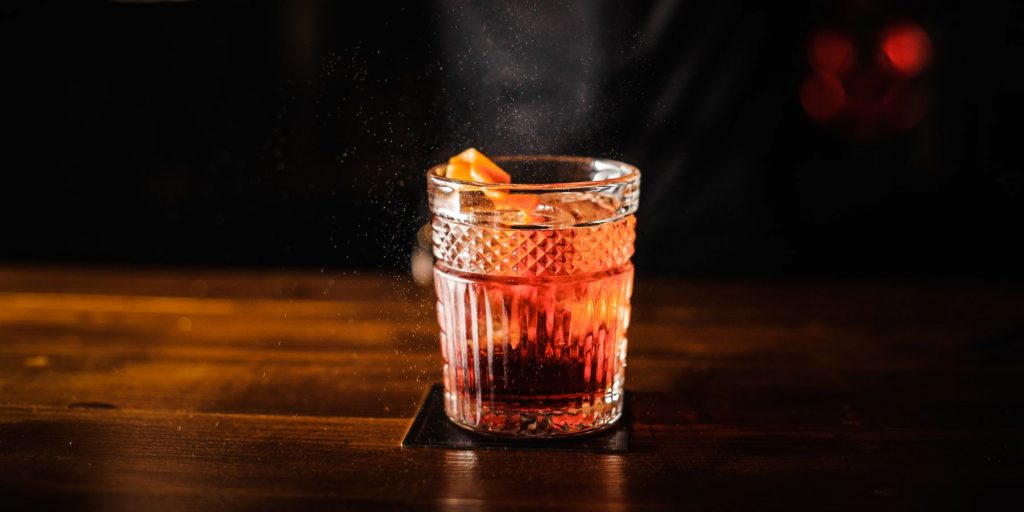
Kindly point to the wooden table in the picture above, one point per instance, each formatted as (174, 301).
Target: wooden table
(253, 390)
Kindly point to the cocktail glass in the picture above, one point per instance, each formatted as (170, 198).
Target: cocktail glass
(533, 303)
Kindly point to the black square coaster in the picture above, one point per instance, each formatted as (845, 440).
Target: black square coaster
(432, 429)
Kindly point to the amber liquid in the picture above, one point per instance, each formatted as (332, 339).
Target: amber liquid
(531, 355)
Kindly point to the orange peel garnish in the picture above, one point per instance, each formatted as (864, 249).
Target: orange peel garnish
(525, 202)
(472, 165)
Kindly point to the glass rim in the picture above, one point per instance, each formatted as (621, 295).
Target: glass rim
(631, 173)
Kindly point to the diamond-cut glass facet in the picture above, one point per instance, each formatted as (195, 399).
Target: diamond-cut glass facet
(533, 252)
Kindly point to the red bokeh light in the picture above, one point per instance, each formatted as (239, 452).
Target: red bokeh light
(831, 51)
(822, 96)
(867, 98)
(904, 105)
(907, 48)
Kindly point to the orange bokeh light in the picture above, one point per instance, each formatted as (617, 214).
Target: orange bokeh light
(907, 48)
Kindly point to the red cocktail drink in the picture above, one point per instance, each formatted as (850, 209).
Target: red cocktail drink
(534, 303)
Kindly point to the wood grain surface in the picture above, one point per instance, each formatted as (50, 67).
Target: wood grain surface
(254, 390)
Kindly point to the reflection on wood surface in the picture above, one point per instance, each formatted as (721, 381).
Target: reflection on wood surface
(258, 390)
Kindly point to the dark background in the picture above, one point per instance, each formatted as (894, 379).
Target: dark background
(297, 133)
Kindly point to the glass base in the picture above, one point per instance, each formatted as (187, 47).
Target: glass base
(547, 417)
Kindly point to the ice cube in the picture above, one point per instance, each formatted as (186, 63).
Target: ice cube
(576, 208)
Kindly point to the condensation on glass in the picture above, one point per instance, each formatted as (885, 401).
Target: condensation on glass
(533, 307)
